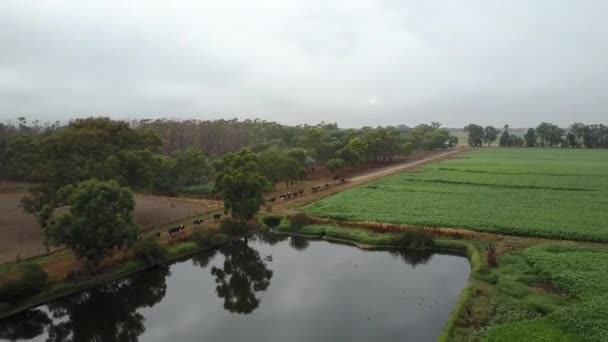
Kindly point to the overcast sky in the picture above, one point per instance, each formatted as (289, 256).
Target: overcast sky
(354, 62)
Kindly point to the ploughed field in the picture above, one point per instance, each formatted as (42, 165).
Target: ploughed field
(551, 193)
(21, 235)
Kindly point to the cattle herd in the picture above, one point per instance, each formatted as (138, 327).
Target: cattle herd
(295, 194)
(285, 196)
(173, 230)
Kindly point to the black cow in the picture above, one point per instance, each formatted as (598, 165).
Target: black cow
(217, 217)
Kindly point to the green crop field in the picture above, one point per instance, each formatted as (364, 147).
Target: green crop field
(580, 272)
(553, 193)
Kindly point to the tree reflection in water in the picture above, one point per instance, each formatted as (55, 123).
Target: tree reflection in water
(269, 237)
(24, 326)
(413, 256)
(203, 259)
(243, 274)
(108, 313)
(299, 243)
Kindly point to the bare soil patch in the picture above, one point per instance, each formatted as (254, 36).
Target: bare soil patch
(21, 235)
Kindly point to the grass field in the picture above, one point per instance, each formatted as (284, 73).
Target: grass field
(581, 273)
(552, 193)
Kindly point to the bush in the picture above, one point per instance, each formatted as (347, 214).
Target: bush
(218, 239)
(335, 164)
(33, 280)
(416, 238)
(198, 189)
(232, 227)
(203, 238)
(272, 221)
(299, 220)
(149, 251)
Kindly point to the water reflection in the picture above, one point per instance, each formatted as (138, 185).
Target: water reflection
(203, 259)
(24, 326)
(243, 274)
(108, 313)
(413, 256)
(312, 280)
(269, 237)
(299, 243)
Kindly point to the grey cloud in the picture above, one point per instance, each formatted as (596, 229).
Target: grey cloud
(354, 62)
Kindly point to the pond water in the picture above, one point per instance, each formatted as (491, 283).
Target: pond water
(269, 288)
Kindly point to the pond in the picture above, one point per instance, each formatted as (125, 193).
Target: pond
(269, 288)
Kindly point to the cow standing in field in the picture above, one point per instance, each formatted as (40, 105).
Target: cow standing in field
(217, 217)
(198, 222)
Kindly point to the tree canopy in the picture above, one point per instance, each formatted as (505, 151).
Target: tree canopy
(240, 184)
(100, 219)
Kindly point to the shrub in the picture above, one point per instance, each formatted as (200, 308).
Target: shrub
(33, 280)
(203, 238)
(299, 220)
(232, 227)
(149, 251)
(335, 164)
(416, 238)
(218, 239)
(272, 221)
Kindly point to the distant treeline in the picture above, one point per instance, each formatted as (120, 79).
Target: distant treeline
(578, 135)
(172, 155)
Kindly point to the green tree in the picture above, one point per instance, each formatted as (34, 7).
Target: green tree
(23, 156)
(476, 134)
(530, 137)
(453, 141)
(549, 134)
(490, 134)
(191, 167)
(504, 137)
(100, 220)
(241, 184)
(335, 164)
(299, 154)
(289, 169)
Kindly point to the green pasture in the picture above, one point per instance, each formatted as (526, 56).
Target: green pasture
(551, 193)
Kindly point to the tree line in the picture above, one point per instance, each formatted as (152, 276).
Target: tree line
(92, 165)
(577, 135)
